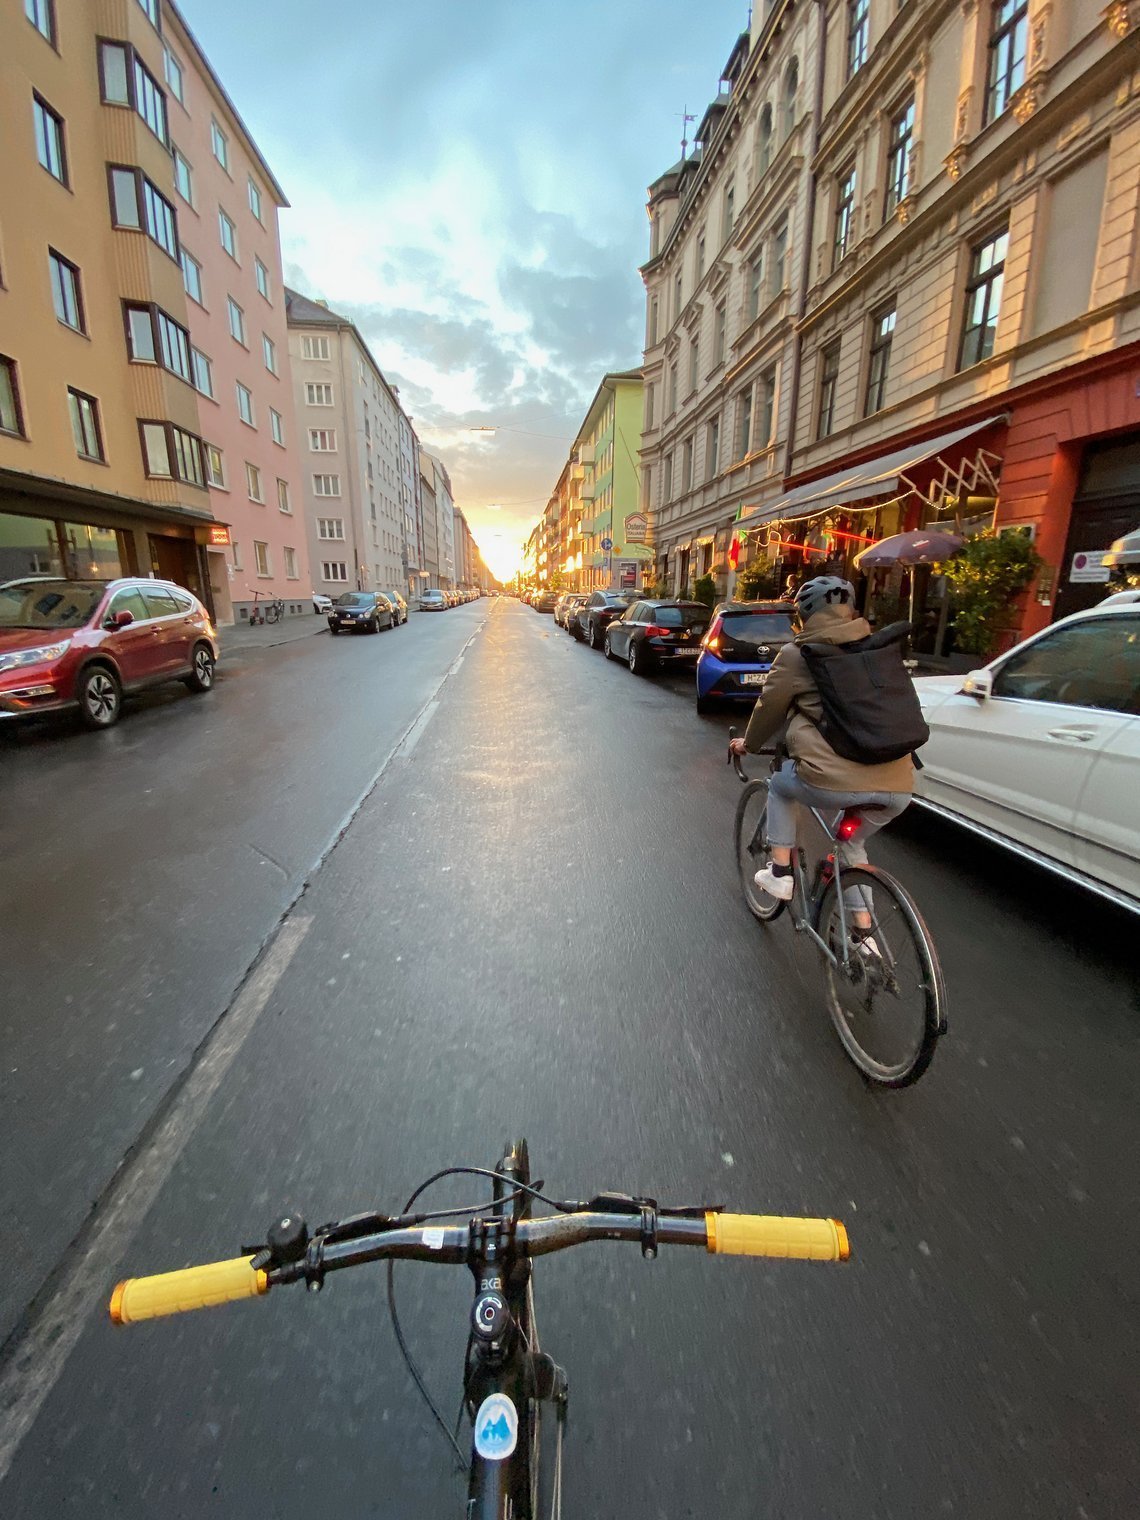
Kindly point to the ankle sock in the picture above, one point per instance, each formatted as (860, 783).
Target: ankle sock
(781, 870)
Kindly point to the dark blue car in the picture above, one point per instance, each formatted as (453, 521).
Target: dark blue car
(737, 651)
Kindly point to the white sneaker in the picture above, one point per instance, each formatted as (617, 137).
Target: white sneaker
(781, 887)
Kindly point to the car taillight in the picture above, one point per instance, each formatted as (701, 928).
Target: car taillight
(653, 632)
(712, 639)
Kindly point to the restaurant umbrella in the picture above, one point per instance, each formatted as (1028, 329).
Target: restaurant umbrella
(921, 546)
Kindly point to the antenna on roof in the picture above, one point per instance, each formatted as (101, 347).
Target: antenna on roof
(685, 120)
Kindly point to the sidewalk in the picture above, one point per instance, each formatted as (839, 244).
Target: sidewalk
(235, 638)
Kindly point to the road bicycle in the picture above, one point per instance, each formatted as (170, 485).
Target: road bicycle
(268, 612)
(885, 992)
(508, 1380)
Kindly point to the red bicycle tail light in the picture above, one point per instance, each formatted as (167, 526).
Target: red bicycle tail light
(849, 826)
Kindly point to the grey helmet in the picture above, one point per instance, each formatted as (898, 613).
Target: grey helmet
(824, 591)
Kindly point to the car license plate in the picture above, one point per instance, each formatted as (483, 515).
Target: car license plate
(753, 678)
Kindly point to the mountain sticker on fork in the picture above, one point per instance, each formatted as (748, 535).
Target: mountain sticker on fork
(496, 1428)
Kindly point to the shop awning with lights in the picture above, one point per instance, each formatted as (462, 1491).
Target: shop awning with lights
(886, 477)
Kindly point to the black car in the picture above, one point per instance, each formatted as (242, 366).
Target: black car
(743, 640)
(651, 634)
(545, 601)
(597, 612)
(566, 612)
(364, 611)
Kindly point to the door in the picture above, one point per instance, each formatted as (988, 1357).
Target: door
(1019, 760)
(169, 648)
(1108, 808)
(132, 647)
(622, 628)
(1105, 508)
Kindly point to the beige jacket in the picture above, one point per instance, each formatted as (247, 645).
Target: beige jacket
(790, 682)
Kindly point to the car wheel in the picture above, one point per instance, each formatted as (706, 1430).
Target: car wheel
(595, 639)
(607, 648)
(201, 677)
(333, 629)
(638, 663)
(704, 706)
(576, 632)
(100, 697)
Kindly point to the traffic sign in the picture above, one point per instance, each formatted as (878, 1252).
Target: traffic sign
(607, 544)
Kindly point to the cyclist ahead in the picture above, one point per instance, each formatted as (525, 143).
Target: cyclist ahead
(816, 774)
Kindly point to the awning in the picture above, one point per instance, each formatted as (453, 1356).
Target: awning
(875, 477)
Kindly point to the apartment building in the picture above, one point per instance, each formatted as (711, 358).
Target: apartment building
(415, 575)
(442, 534)
(429, 516)
(724, 285)
(605, 462)
(354, 486)
(118, 403)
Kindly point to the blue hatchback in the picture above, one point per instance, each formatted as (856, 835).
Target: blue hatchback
(737, 651)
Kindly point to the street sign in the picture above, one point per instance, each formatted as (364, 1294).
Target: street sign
(607, 544)
(1089, 565)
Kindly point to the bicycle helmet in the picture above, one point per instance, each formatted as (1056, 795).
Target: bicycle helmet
(824, 591)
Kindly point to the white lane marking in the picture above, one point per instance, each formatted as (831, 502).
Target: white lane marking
(408, 743)
(85, 1284)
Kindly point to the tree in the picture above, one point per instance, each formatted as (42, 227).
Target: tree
(757, 581)
(704, 590)
(984, 578)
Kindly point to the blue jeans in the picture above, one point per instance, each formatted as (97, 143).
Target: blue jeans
(787, 792)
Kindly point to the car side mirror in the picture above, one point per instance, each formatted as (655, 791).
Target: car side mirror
(980, 684)
(120, 619)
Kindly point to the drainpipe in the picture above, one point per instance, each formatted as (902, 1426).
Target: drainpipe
(809, 236)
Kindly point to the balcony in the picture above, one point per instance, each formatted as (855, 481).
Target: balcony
(586, 454)
(587, 491)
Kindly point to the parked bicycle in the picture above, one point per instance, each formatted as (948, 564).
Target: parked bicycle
(885, 992)
(507, 1379)
(268, 612)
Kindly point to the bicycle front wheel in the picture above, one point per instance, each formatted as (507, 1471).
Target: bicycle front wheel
(752, 850)
(885, 993)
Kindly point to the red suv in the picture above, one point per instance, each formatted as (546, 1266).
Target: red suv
(66, 644)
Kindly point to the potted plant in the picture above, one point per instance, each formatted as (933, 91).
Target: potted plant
(984, 577)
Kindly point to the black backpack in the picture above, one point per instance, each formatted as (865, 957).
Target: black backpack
(871, 711)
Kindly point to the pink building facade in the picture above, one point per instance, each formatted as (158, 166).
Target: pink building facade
(227, 202)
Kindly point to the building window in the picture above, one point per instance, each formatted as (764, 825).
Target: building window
(729, 213)
(667, 478)
(261, 558)
(898, 158)
(699, 272)
(85, 425)
(11, 417)
(764, 142)
(277, 427)
(330, 527)
(192, 277)
(317, 394)
(253, 482)
(245, 404)
(171, 453)
(202, 372)
(712, 449)
(672, 396)
(858, 28)
(216, 470)
(694, 363)
(844, 215)
(67, 298)
(254, 199)
(1005, 70)
(334, 570)
(49, 139)
(283, 502)
(183, 178)
(314, 348)
(126, 81)
(791, 96)
(291, 564)
(228, 234)
(828, 383)
(139, 207)
(322, 440)
(755, 286)
(155, 338)
(41, 13)
(173, 71)
(983, 299)
(653, 320)
(678, 294)
(237, 321)
(174, 345)
(882, 332)
(687, 465)
(326, 485)
(151, 9)
(767, 418)
(235, 550)
(720, 325)
(744, 423)
(219, 145)
(262, 276)
(269, 353)
(779, 259)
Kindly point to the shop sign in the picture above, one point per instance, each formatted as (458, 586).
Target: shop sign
(1089, 565)
(219, 534)
(636, 528)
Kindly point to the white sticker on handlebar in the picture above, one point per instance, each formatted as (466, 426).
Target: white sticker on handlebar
(433, 1239)
(496, 1428)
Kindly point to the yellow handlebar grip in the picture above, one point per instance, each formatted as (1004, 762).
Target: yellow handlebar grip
(770, 1235)
(218, 1282)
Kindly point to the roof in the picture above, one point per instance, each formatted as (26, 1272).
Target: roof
(300, 311)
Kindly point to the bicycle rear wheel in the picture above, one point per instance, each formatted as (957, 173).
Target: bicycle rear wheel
(752, 850)
(888, 1002)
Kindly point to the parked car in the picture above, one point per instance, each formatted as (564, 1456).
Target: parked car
(432, 601)
(360, 612)
(399, 606)
(321, 602)
(546, 601)
(651, 634)
(1040, 749)
(84, 644)
(599, 610)
(567, 607)
(737, 651)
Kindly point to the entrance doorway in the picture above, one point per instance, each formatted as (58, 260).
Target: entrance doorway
(176, 559)
(1106, 506)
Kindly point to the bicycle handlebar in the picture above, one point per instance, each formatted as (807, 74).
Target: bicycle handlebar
(221, 1282)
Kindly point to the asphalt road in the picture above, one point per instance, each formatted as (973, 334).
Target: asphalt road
(533, 925)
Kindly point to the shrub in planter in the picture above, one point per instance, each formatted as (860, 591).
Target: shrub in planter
(704, 590)
(984, 578)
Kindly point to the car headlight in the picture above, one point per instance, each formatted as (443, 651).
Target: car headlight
(21, 657)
